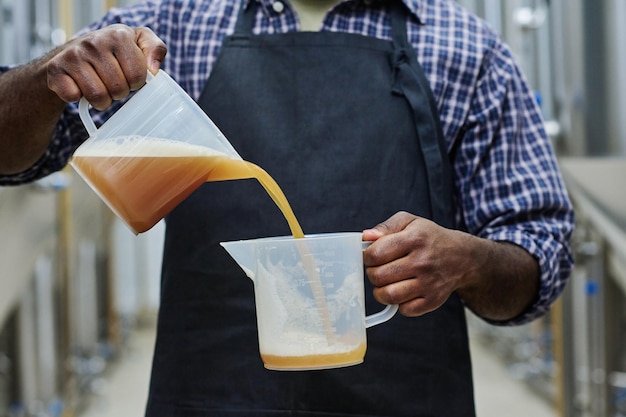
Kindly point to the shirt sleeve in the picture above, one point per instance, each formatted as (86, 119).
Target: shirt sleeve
(510, 188)
(70, 132)
(60, 148)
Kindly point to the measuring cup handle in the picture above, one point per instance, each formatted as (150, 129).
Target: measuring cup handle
(85, 117)
(384, 315)
(83, 112)
(381, 316)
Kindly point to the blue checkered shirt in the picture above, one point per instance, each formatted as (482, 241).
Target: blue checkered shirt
(507, 182)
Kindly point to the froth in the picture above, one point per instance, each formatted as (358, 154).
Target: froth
(134, 146)
(302, 343)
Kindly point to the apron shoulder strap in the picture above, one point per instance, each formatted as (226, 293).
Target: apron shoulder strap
(409, 80)
(246, 16)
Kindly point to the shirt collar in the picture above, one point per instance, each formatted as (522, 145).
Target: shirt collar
(415, 7)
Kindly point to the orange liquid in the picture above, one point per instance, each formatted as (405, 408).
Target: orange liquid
(142, 180)
(233, 169)
(143, 189)
(321, 361)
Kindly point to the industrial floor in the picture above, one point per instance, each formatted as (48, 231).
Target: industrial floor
(124, 390)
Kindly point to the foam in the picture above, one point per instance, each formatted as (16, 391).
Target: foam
(134, 146)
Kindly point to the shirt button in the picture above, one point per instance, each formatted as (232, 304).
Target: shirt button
(278, 6)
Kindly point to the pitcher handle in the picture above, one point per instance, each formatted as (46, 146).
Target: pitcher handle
(85, 117)
(382, 316)
(83, 112)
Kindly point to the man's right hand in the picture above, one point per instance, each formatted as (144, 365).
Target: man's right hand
(104, 65)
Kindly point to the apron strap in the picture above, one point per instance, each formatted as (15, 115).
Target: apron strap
(245, 19)
(409, 81)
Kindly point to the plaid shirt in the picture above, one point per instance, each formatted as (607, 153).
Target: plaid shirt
(507, 182)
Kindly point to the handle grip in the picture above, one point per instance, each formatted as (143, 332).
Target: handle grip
(85, 117)
(382, 316)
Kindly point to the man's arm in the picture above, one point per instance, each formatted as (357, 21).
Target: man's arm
(511, 257)
(29, 111)
(102, 66)
(417, 264)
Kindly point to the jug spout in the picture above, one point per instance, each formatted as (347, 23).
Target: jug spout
(244, 254)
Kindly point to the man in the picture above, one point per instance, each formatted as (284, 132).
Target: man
(413, 112)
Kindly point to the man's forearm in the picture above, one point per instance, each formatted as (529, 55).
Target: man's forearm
(505, 282)
(29, 112)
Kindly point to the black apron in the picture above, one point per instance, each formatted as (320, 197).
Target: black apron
(347, 126)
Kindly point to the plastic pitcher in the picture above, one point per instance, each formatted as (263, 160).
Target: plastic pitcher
(152, 153)
(309, 296)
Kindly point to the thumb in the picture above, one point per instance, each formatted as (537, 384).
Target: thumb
(394, 224)
(153, 48)
(369, 235)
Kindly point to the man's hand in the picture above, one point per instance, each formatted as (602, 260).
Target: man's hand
(104, 65)
(418, 264)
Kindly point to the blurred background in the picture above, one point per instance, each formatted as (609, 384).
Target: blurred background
(79, 292)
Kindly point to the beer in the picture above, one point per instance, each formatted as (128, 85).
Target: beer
(143, 179)
(316, 361)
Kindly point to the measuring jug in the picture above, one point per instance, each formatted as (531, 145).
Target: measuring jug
(152, 153)
(310, 301)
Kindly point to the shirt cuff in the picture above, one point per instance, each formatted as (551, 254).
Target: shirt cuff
(54, 159)
(554, 269)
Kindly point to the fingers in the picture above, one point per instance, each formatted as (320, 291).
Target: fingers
(394, 224)
(395, 238)
(152, 47)
(407, 264)
(392, 239)
(415, 296)
(104, 65)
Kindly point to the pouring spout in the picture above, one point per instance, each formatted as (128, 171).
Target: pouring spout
(243, 253)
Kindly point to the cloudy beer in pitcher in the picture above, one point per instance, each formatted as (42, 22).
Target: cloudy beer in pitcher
(142, 179)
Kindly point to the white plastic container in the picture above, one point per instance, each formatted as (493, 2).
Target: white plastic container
(151, 154)
(310, 300)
